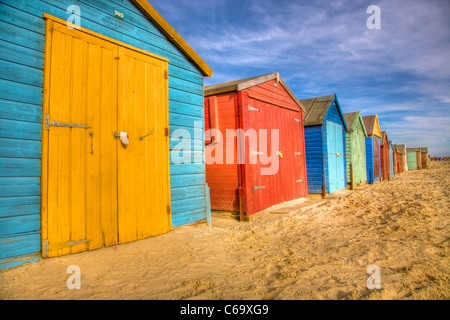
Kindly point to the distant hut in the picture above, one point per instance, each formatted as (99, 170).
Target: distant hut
(325, 129)
(384, 156)
(396, 157)
(402, 160)
(355, 141)
(391, 158)
(414, 158)
(424, 157)
(373, 162)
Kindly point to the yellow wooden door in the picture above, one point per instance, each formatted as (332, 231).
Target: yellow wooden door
(90, 182)
(143, 165)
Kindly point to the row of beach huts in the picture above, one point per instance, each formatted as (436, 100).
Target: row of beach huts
(93, 95)
(321, 148)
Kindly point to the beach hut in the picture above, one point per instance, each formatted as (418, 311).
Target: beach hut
(402, 159)
(396, 157)
(91, 91)
(325, 129)
(391, 158)
(384, 156)
(424, 157)
(355, 142)
(414, 157)
(373, 153)
(255, 152)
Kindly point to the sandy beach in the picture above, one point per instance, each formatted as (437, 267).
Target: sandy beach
(309, 249)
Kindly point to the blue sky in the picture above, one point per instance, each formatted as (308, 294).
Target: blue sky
(400, 72)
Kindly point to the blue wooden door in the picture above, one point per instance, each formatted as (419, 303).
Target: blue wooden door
(336, 165)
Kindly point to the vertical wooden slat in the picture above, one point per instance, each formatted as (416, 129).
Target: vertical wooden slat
(78, 148)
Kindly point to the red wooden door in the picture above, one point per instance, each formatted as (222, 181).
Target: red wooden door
(376, 157)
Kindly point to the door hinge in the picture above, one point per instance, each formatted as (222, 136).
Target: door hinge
(117, 58)
(168, 209)
(250, 108)
(166, 75)
(301, 180)
(47, 121)
(45, 248)
(298, 153)
(166, 132)
(298, 120)
(254, 188)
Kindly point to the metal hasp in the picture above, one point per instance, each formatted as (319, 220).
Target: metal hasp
(49, 124)
(254, 188)
(250, 108)
(253, 152)
(151, 132)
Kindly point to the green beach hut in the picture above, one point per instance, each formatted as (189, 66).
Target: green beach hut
(356, 149)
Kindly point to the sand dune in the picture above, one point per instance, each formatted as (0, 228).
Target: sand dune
(319, 251)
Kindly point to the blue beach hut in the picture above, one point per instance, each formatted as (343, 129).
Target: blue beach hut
(90, 94)
(325, 129)
(373, 148)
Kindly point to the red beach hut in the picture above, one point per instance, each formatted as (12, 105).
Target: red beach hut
(255, 147)
(384, 149)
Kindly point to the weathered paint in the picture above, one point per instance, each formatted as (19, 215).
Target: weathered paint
(402, 163)
(425, 157)
(22, 45)
(355, 139)
(262, 105)
(322, 149)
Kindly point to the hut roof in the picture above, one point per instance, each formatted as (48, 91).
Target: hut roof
(242, 84)
(412, 149)
(317, 108)
(400, 148)
(167, 29)
(384, 136)
(372, 125)
(352, 119)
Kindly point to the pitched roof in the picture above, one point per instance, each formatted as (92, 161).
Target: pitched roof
(400, 148)
(384, 136)
(349, 118)
(372, 125)
(167, 29)
(352, 118)
(242, 84)
(317, 108)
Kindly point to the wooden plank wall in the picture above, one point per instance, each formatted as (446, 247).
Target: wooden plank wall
(333, 115)
(314, 158)
(22, 40)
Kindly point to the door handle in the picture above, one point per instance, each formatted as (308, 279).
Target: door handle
(122, 136)
(91, 134)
